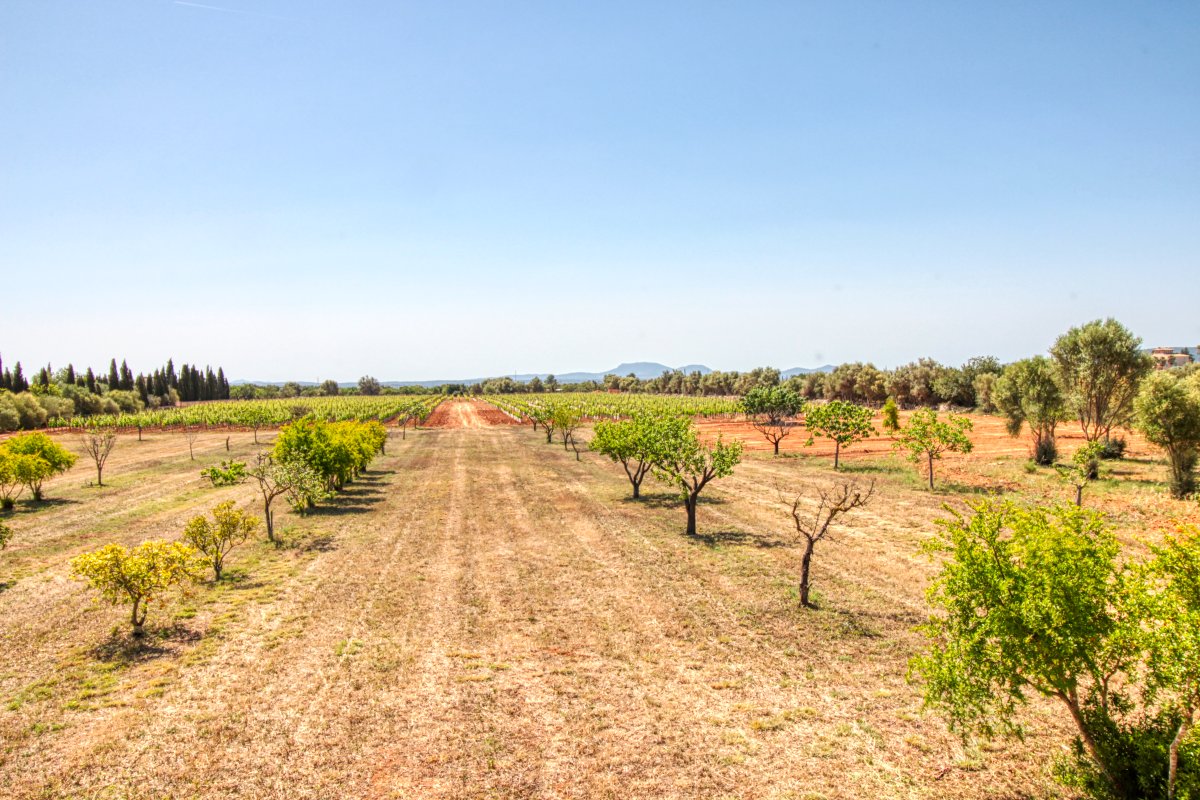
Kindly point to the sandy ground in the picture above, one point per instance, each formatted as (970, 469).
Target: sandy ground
(483, 616)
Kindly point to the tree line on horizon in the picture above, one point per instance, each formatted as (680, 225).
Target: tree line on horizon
(67, 392)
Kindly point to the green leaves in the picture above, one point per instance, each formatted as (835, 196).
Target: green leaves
(844, 423)
(229, 527)
(1167, 412)
(926, 437)
(136, 575)
(1024, 601)
(1099, 366)
(29, 459)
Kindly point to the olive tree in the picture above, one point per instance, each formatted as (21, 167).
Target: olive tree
(136, 575)
(98, 443)
(369, 386)
(631, 443)
(844, 423)
(683, 460)
(812, 525)
(926, 437)
(1028, 394)
(772, 410)
(1168, 415)
(230, 526)
(1100, 366)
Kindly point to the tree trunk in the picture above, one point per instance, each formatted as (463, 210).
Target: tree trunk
(1090, 744)
(270, 522)
(256, 434)
(691, 514)
(1173, 769)
(837, 454)
(135, 620)
(776, 447)
(805, 564)
(931, 472)
(1079, 494)
(99, 475)
(139, 433)
(637, 488)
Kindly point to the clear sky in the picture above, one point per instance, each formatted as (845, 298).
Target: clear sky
(312, 189)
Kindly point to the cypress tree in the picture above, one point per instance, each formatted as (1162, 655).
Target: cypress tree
(197, 384)
(6, 379)
(222, 385)
(210, 384)
(90, 381)
(70, 373)
(19, 384)
(142, 389)
(43, 376)
(126, 377)
(170, 377)
(114, 379)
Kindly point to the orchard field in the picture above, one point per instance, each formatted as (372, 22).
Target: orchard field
(484, 615)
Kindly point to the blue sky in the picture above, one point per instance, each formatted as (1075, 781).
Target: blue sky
(326, 189)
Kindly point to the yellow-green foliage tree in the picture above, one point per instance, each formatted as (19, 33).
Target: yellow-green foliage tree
(926, 437)
(137, 575)
(45, 458)
(229, 527)
(683, 460)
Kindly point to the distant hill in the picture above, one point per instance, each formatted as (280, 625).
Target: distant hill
(789, 373)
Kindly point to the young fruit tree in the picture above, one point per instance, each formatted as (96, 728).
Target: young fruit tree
(683, 460)
(15, 472)
(1084, 468)
(98, 443)
(1040, 601)
(1167, 412)
(1028, 394)
(229, 527)
(43, 458)
(891, 416)
(191, 434)
(843, 422)
(293, 479)
(926, 437)
(136, 576)
(630, 442)
(772, 410)
(813, 526)
(1100, 366)
(566, 421)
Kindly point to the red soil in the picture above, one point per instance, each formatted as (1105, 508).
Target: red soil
(467, 414)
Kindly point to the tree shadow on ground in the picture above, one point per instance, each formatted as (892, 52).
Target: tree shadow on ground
(873, 469)
(29, 504)
(742, 538)
(6, 585)
(356, 500)
(951, 487)
(123, 648)
(668, 500)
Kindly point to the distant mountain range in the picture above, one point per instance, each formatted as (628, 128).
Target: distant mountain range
(639, 369)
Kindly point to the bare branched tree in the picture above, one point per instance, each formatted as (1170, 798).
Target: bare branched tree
(98, 443)
(813, 526)
(191, 434)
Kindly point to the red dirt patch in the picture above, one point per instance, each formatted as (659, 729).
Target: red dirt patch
(467, 414)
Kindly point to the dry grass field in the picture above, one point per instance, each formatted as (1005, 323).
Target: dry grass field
(483, 616)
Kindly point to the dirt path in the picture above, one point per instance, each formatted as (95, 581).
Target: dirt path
(483, 616)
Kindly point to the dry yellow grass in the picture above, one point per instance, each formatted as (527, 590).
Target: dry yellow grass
(483, 616)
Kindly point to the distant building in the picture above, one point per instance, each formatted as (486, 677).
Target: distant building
(1167, 357)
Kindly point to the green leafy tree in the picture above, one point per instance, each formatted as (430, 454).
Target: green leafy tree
(1168, 415)
(229, 473)
(1028, 394)
(891, 415)
(844, 423)
(1100, 366)
(16, 472)
(772, 410)
(632, 443)
(369, 386)
(330, 388)
(687, 463)
(294, 480)
(566, 421)
(47, 458)
(1173, 638)
(1028, 602)
(1084, 468)
(137, 575)
(230, 526)
(926, 437)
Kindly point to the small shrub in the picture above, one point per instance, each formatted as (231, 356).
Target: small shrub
(1031, 467)
(230, 473)
(1113, 449)
(1045, 451)
(891, 415)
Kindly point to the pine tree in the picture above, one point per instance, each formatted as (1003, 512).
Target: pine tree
(114, 379)
(90, 381)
